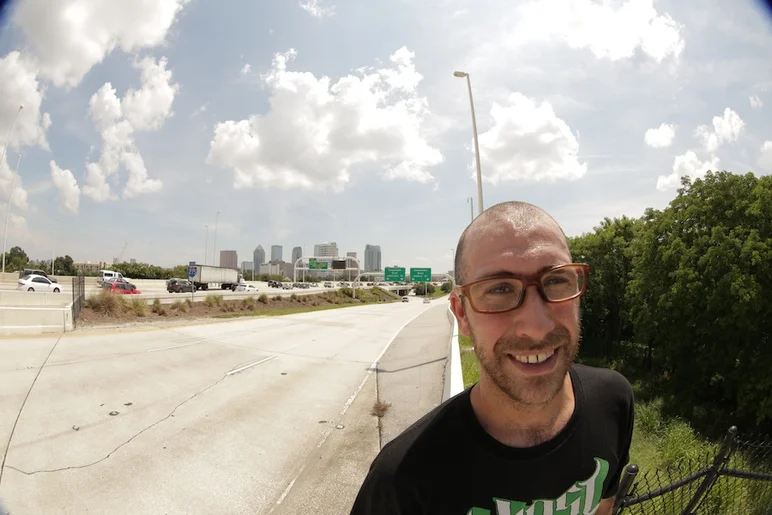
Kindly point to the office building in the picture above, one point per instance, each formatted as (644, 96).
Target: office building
(278, 267)
(373, 258)
(351, 263)
(297, 253)
(229, 259)
(258, 257)
(327, 249)
(246, 266)
(276, 253)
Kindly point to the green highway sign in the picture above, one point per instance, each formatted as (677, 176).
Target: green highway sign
(313, 264)
(394, 274)
(421, 275)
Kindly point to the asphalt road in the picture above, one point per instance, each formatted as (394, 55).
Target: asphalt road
(236, 417)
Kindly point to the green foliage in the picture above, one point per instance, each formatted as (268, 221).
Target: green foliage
(699, 297)
(422, 288)
(16, 259)
(604, 310)
(446, 287)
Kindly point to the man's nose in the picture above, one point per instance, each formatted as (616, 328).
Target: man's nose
(533, 318)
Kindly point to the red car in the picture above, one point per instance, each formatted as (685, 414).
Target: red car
(125, 289)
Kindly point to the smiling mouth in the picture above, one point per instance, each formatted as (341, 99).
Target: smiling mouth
(533, 359)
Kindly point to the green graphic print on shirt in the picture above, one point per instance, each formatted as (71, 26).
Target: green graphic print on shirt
(582, 498)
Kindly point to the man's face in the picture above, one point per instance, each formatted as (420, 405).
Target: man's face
(503, 341)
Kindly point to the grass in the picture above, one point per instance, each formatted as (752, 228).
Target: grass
(282, 311)
(661, 442)
(379, 409)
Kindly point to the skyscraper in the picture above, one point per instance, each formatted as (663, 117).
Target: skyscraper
(297, 253)
(372, 258)
(229, 259)
(276, 252)
(327, 249)
(258, 256)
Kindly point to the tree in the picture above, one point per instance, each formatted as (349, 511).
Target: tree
(16, 259)
(64, 266)
(422, 288)
(700, 293)
(605, 319)
(446, 287)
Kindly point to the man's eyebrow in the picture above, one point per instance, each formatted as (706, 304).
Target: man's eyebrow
(509, 273)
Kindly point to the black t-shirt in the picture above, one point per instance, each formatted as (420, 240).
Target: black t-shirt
(447, 464)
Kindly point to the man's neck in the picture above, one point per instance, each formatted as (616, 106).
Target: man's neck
(519, 425)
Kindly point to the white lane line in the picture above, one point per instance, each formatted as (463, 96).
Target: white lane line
(249, 365)
(346, 406)
(173, 347)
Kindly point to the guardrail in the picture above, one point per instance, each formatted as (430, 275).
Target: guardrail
(454, 378)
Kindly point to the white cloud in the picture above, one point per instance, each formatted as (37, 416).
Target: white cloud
(9, 178)
(683, 165)
(528, 142)
(246, 69)
(317, 131)
(316, 9)
(726, 129)
(609, 30)
(755, 101)
(69, 192)
(74, 35)
(19, 85)
(145, 109)
(660, 137)
(765, 160)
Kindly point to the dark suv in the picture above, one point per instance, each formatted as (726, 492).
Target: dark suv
(179, 286)
(32, 271)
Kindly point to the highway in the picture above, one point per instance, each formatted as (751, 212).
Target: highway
(222, 417)
(156, 289)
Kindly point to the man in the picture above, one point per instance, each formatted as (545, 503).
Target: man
(538, 434)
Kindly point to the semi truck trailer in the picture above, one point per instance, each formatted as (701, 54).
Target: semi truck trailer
(215, 276)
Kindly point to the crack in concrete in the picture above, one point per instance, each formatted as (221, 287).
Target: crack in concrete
(73, 467)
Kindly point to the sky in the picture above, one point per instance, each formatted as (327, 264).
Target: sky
(302, 122)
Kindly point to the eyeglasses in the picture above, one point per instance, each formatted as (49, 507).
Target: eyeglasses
(506, 293)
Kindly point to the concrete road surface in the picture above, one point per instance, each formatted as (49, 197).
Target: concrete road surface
(232, 417)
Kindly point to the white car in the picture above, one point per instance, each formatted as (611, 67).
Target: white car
(246, 287)
(38, 283)
(405, 299)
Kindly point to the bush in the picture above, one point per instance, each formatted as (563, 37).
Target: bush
(277, 298)
(107, 302)
(249, 304)
(158, 308)
(138, 307)
(263, 298)
(212, 300)
(294, 297)
(180, 305)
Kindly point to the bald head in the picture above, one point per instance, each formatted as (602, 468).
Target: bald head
(521, 217)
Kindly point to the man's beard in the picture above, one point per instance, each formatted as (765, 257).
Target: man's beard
(535, 390)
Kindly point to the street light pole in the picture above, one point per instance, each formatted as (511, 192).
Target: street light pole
(206, 243)
(214, 246)
(476, 143)
(8, 210)
(470, 200)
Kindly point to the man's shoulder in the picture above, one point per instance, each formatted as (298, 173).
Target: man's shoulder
(422, 440)
(602, 378)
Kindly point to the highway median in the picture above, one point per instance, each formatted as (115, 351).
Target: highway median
(109, 308)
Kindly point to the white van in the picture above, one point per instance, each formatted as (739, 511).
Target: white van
(108, 274)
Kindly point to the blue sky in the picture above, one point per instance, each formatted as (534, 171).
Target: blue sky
(340, 120)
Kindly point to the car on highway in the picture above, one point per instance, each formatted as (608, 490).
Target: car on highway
(35, 282)
(124, 288)
(405, 299)
(426, 300)
(286, 286)
(180, 286)
(246, 287)
(108, 283)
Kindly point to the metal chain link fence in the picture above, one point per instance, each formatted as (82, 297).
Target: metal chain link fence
(736, 481)
(78, 296)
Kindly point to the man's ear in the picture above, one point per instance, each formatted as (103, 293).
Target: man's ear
(457, 306)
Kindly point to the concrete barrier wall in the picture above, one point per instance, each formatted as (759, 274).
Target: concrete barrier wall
(454, 377)
(15, 320)
(25, 298)
(66, 280)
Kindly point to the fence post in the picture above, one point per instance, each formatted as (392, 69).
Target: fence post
(722, 458)
(624, 487)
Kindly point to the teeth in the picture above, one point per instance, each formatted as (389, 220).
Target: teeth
(534, 358)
